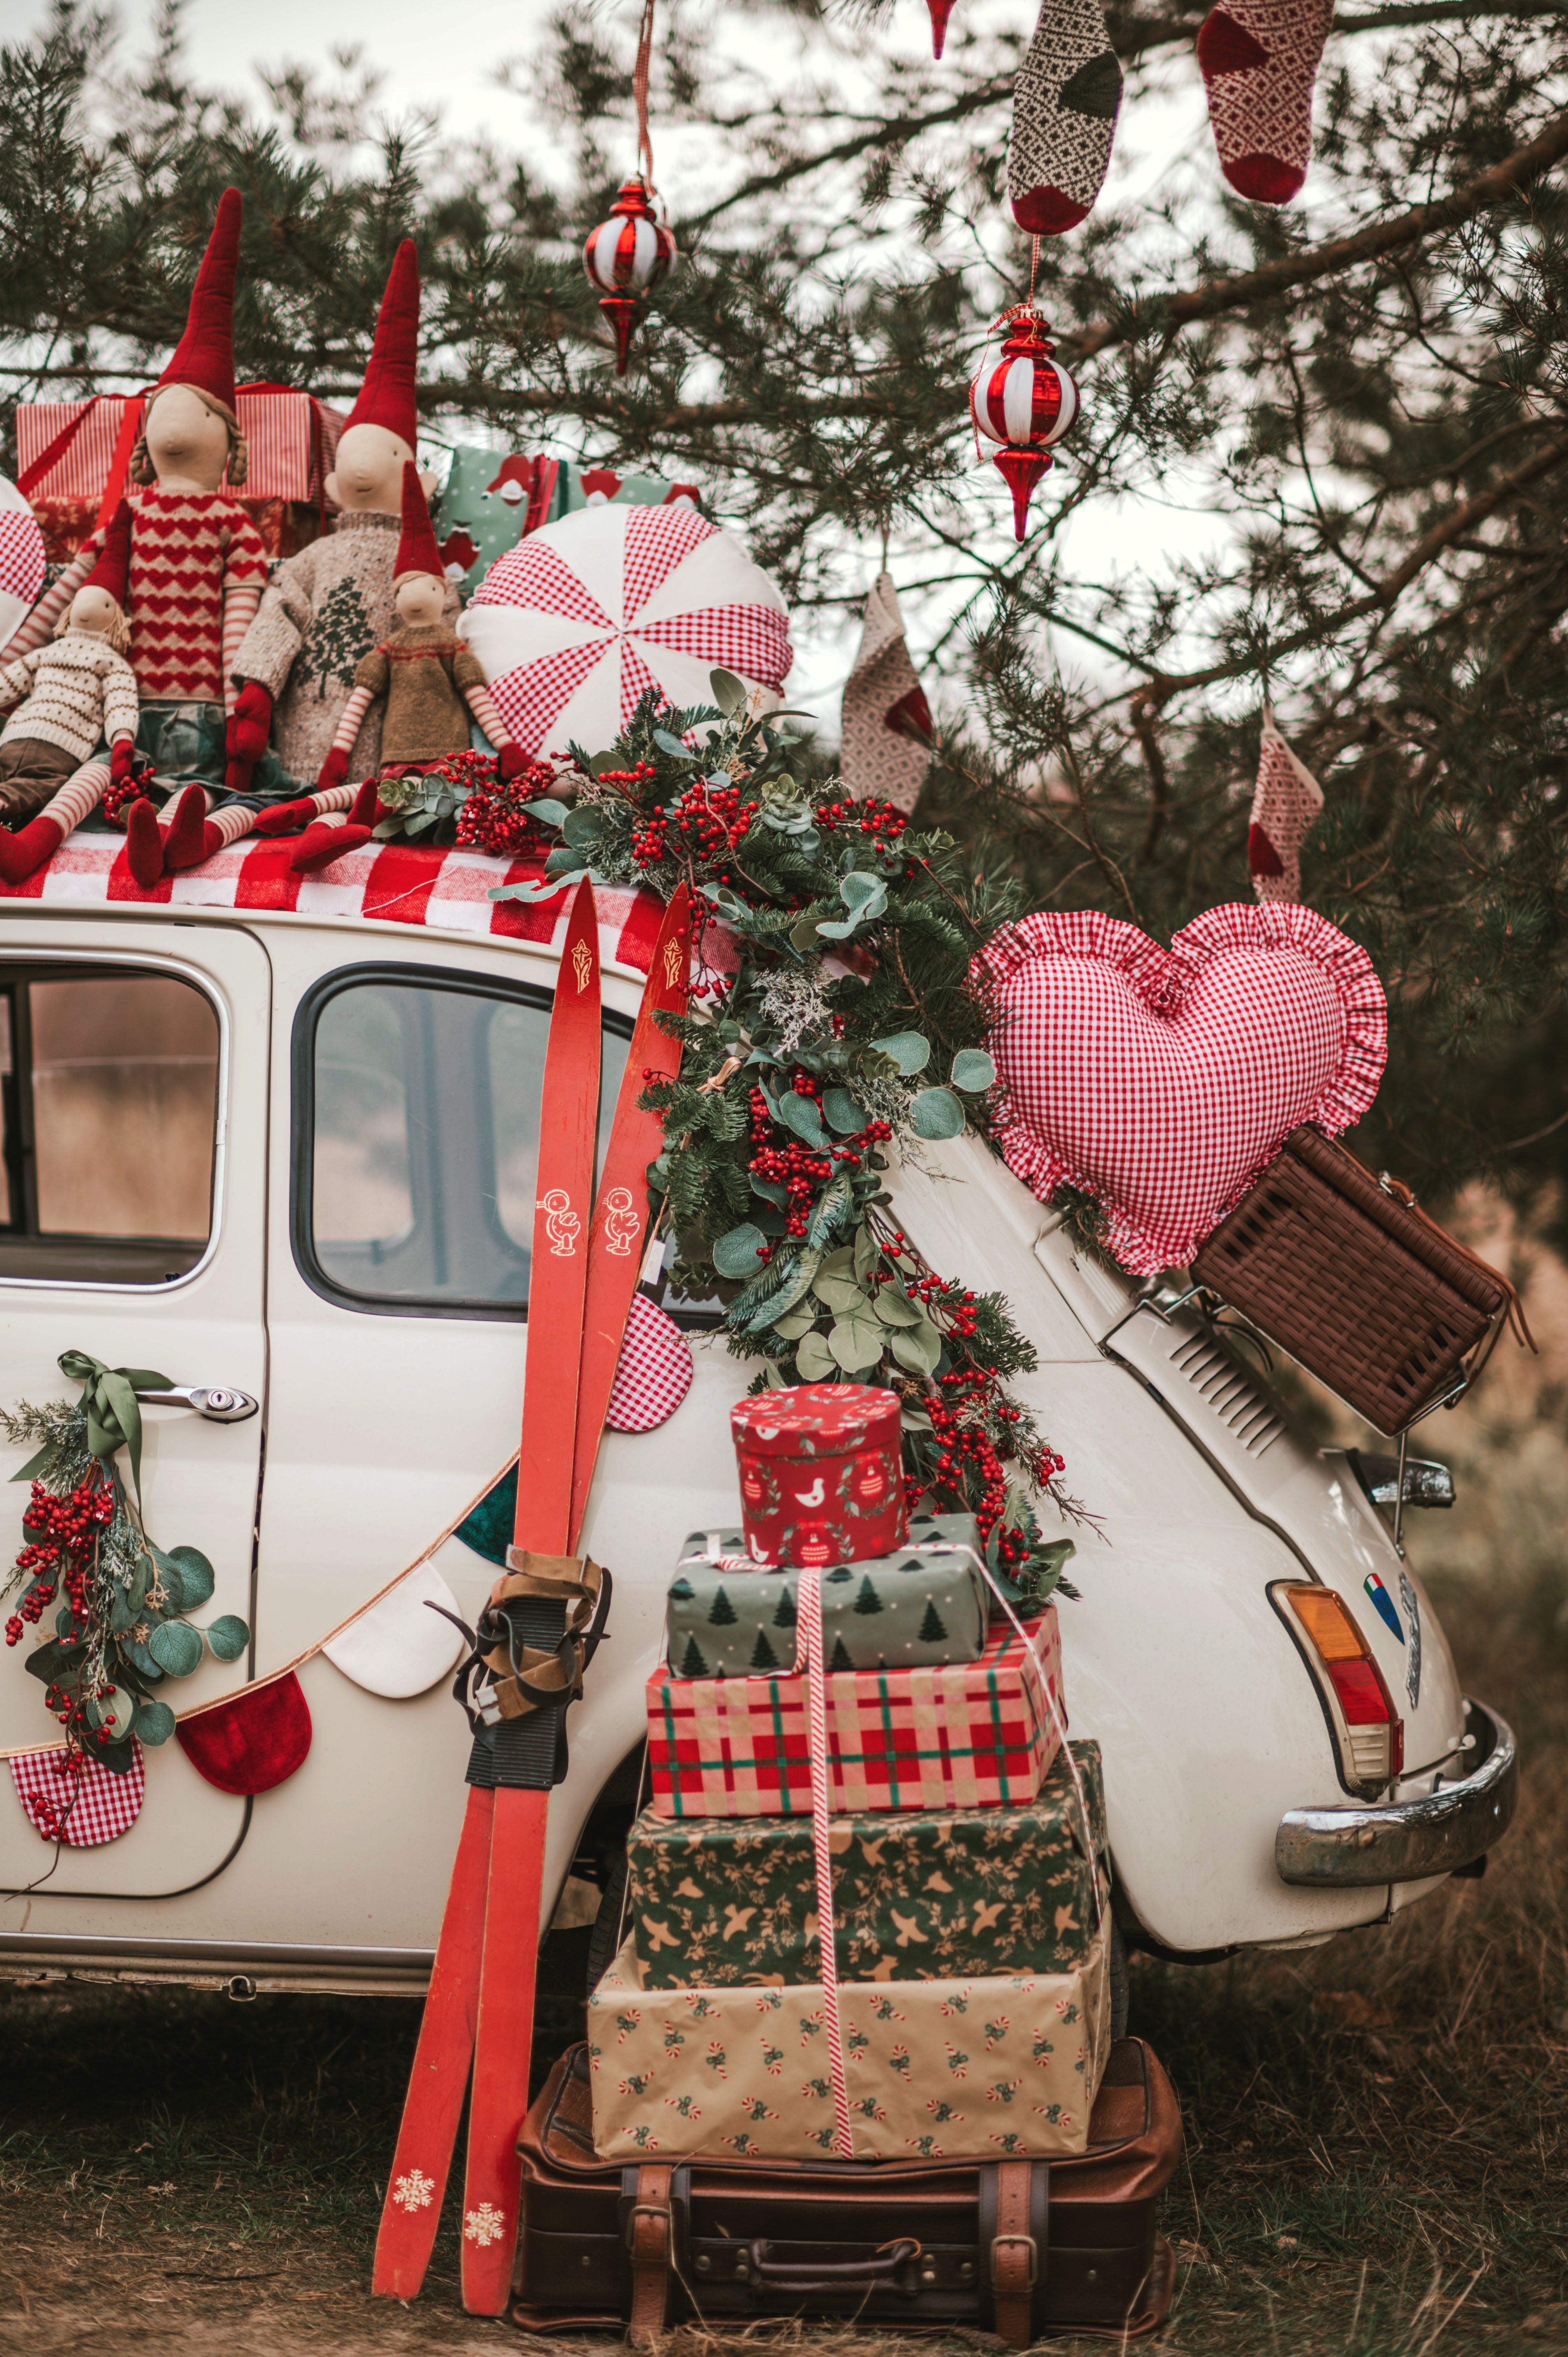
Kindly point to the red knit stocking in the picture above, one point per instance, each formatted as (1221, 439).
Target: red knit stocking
(1064, 118)
(1259, 61)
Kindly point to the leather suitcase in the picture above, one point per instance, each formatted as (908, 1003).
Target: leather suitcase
(1015, 2247)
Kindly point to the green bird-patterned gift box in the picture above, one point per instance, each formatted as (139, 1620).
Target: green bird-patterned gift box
(727, 1901)
(730, 1618)
(996, 2067)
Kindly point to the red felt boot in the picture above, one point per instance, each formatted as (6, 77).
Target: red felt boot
(320, 845)
(285, 818)
(144, 844)
(190, 837)
(24, 853)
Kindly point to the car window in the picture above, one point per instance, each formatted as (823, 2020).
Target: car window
(417, 1144)
(109, 1081)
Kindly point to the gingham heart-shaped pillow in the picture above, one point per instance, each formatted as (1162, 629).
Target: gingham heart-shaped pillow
(1163, 1082)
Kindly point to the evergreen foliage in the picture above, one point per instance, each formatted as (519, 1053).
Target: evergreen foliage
(1371, 383)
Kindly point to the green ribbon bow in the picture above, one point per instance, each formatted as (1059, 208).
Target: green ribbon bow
(113, 1414)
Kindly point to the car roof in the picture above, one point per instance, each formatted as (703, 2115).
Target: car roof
(379, 884)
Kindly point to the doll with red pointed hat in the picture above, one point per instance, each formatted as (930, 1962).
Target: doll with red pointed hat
(78, 691)
(197, 564)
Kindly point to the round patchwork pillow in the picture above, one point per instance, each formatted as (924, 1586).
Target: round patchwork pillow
(1163, 1082)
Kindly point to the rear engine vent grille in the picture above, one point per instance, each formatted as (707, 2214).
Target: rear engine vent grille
(1220, 1384)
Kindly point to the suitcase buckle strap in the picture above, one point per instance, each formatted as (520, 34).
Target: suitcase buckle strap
(656, 2210)
(1003, 2276)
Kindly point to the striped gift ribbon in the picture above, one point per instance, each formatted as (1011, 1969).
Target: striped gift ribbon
(809, 1605)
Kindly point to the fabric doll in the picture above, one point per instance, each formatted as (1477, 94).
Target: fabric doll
(77, 691)
(426, 682)
(197, 566)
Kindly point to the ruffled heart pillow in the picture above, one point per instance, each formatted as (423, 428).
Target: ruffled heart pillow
(1163, 1082)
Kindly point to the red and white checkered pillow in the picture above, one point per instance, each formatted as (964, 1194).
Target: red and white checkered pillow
(77, 1801)
(1163, 1084)
(654, 1372)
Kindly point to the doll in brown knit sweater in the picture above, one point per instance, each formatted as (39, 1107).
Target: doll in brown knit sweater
(427, 680)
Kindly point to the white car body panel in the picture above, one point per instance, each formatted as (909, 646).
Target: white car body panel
(379, 1428)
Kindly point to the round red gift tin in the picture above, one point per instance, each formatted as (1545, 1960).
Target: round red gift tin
(820, 1477)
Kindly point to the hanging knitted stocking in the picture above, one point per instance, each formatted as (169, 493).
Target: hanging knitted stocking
(1287, 800)
(1259, 61)
(886, 722)
(1064, 118)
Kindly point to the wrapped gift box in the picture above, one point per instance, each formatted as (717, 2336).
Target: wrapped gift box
(820, 1477)
(983, 2068)
(731, 1618)
(965, 1735)
(730, 1901)
(290, 437)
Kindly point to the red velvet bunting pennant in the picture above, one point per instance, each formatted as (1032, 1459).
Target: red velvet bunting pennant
(253, 1742)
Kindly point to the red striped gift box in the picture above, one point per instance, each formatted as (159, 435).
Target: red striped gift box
(961, 1735)
(290, 437)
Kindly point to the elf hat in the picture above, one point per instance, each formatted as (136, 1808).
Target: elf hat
(113, 569)
(386, 396)
(416, 549)
(204, 358)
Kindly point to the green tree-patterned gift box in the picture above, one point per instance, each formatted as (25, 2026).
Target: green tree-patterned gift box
(729, 1618)
(727, 1901)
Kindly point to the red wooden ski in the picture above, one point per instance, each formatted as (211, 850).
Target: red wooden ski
(417, 2185)
(557, 1289)
(619, 1237)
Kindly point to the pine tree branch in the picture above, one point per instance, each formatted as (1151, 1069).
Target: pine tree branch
(903, 128)
(1221, 295)
(1429, 546)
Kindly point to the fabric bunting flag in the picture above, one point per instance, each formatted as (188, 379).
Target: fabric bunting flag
(21, 560)
(886, 727)
(253, 1741)
(655, 1371)
(71, 1799)
(1285, 805)
(578, 622)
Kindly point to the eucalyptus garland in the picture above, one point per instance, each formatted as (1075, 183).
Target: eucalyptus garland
(841, 1030)
(120, 1629)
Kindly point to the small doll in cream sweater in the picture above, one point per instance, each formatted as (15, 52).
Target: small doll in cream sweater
(77, 690)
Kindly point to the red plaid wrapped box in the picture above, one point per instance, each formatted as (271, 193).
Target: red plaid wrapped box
(958, 1734)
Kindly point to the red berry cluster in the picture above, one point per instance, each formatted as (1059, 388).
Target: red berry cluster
(637, 775)
(117, 798)
(707, 823)
(953, 1308)
(64, 1538)
(882, 822)
(796, 1167)
(72, 1713)
(493, 818)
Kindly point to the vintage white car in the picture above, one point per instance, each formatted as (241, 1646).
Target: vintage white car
(287, 1152)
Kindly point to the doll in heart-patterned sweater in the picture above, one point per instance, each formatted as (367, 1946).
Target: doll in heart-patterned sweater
(195, 576)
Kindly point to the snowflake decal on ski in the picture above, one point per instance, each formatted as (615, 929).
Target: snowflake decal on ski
(483, 2225)
(415, 2191)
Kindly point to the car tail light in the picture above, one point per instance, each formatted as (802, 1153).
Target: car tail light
(1373, 1738)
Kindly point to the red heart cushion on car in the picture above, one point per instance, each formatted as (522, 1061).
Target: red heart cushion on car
(1164, 1083)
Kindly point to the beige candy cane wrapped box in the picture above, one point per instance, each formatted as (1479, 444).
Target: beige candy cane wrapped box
(987, 2068)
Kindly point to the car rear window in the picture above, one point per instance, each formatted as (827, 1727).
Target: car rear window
(416, 1144)
(109, 1084)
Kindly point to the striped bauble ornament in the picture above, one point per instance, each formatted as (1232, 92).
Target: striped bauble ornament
(626, 256)
(1024, 401)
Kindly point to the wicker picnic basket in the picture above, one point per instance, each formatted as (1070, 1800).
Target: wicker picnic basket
(1343, 1271)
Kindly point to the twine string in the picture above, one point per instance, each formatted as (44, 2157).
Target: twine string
(809, 1607)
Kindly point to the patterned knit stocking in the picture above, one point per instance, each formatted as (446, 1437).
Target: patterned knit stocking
(1259, 61)
(1287, 801)
(1064, 118)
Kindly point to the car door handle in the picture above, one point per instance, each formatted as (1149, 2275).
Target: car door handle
(216, 1402)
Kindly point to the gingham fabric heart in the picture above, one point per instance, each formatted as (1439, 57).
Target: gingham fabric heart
(21, 559)
(76, 1801)
(654, 1372)
(1163, 1084)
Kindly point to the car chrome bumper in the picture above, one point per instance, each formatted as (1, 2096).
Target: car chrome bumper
(1406, 1841)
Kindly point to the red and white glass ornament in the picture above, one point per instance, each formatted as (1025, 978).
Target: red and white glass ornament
(626, 256)
(1024, 402)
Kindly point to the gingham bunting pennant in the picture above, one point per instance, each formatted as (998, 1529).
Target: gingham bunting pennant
(1164, 1083)
(655, 1371)
(69, 1798)
(22, 563)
